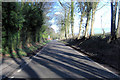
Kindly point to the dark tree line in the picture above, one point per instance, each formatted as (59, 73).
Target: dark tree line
(22, 23)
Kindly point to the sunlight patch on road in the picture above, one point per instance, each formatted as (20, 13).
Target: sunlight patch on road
(19, 70)
(12, 77)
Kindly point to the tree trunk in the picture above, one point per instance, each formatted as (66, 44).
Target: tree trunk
(9, 38)
(68, 22)
(118, 29)
(118, 26)
(94, 5)
(10, 45)
(112, 23)
(80, 28)
(82, 15)
(92, 22)
(114, 17)
(38, 40)
(72, 18)
(23, 37)
(66, 35)
(87, 25)
(18, 44)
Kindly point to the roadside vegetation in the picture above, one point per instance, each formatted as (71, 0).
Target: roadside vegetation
(24, 28)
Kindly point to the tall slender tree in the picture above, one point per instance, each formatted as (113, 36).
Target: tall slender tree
(68, 22)
(94, 7)
(82, 11)
(113, 20)
(66, 17)
(72, 18)
(88, 10)
(118, 26)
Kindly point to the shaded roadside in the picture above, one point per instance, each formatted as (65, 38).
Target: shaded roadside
(99, 50)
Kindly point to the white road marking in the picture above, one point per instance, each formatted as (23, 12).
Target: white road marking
(12, 77)
(19, 70)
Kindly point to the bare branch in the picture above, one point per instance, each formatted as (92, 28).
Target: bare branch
(61, 4)
(101, 7)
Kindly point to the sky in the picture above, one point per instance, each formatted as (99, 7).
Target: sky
(102, 16)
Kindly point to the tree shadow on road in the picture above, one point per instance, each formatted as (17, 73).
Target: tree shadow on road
(66, 64)
(21, 62)
(67, 67)
(99, 49)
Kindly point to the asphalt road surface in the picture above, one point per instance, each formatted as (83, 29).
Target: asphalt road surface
(59, 61)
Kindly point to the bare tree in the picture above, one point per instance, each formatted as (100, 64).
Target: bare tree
(82, 10)
(113, 20)
(72, 18)
(88, 10)
(65, 19)
(118, 26)
(94, 7)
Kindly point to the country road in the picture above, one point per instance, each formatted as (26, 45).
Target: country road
(59, 61)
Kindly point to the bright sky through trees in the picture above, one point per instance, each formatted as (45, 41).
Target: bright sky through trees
(104, 15)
